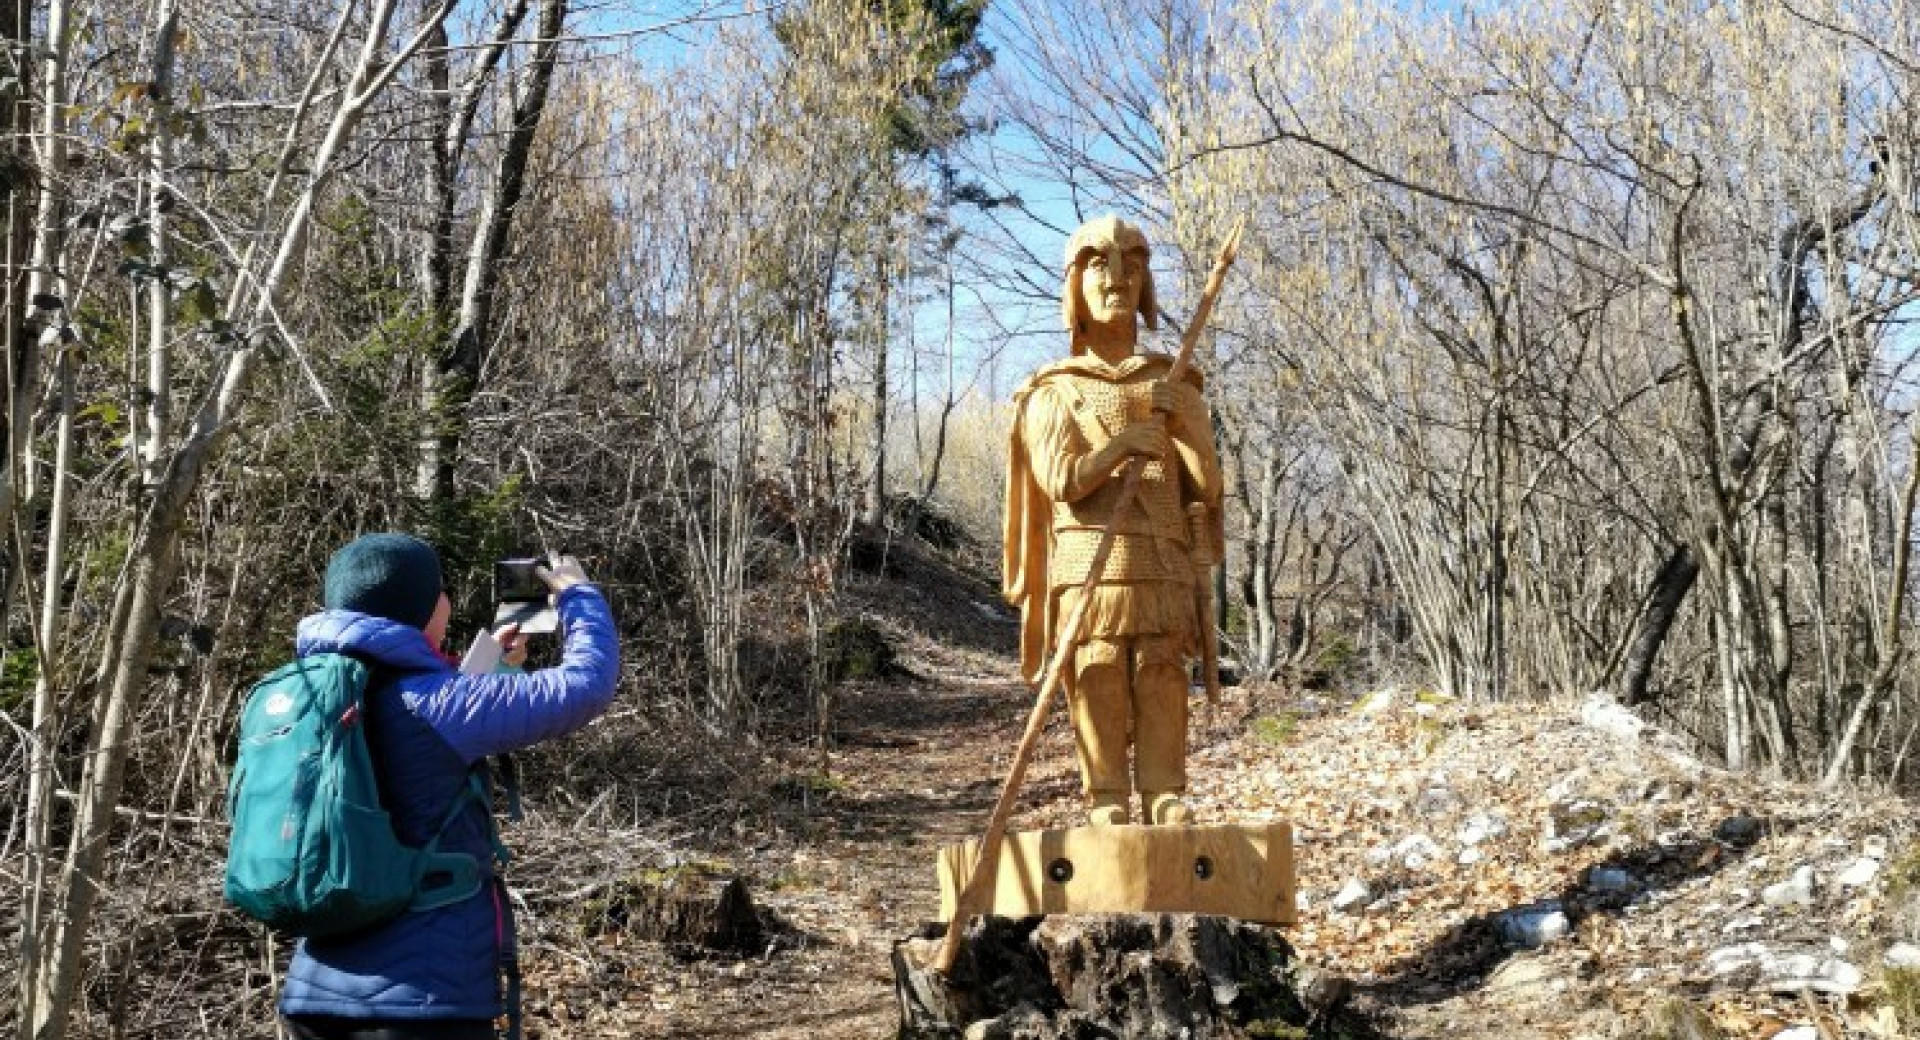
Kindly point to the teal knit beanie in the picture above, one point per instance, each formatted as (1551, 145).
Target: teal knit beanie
(394, 576)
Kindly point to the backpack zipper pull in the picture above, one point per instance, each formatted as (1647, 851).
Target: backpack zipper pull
(351, 715)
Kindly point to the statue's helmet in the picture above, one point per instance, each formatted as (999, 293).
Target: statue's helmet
(1116, 237)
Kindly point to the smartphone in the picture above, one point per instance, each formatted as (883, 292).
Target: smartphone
(522, 597)
(516, 581)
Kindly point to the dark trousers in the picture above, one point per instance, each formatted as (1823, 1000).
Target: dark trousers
(327, 1027)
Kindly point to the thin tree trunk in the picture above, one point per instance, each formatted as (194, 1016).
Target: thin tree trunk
(44, 281)
(876, 499)
(16, 119)
(1670, 587)
(159, 202)
(436, 255)
(459, 367)
(1882, 679)
(1264, 620)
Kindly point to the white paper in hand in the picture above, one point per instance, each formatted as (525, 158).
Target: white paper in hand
(483, 656)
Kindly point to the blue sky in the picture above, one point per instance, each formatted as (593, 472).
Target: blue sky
(1006, 314)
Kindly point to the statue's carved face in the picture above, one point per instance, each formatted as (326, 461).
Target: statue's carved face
(1110, 283)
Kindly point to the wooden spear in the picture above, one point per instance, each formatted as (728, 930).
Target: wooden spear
(987, 860)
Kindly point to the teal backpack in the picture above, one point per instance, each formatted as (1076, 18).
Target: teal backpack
(312, 853)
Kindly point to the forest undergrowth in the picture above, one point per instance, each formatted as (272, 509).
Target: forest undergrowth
(1530, 870)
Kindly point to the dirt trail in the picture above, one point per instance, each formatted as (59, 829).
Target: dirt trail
(846, 863)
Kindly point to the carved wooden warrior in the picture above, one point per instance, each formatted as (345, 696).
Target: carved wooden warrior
(1078, 421)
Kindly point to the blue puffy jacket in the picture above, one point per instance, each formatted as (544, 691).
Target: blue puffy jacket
(427, 729)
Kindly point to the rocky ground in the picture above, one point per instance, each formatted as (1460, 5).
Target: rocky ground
(1540, 870)
(1559, 870)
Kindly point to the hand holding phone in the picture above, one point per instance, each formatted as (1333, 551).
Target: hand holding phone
(561, 573)
(524, 595)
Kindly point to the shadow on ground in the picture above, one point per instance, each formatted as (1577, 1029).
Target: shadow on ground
(1461, 960)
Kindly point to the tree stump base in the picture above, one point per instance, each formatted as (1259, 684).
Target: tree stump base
(688, 907)
(1121, 975)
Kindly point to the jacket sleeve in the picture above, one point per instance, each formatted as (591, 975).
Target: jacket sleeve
(481, 715)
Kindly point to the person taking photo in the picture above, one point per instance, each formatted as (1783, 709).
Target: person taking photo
(437, 974)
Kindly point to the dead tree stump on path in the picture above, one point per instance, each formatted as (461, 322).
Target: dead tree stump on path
(1121, 975)
(691, 908)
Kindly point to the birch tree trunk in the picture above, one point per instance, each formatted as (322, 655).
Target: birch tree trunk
(159, 203)
(45, 281)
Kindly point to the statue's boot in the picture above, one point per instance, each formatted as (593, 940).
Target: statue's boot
(1108, 811)
(1099, 704)
(1160, 731)
(1166, 807)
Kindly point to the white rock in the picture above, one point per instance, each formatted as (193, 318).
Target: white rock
(1503, 775)
(1730, 959)
(1838, 945)
(1521, 972)
(1786, 971)
(1743, 924)
(1354, 893)
(1795, 891)
(1875, 846)
(1860, 874)
(1903, 955)
(1822, 974)
(1601, 712)
(1610, 881)
(1468, 857)
(1416, 851)
(1379, 855)
(1376, 702)
(1481, 827)
(1798, 1033)
(1533, 927)
(1300, 901)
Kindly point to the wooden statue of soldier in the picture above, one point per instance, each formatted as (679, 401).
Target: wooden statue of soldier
(1078, 422)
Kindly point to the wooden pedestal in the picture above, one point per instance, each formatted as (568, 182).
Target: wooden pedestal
(1242, 871)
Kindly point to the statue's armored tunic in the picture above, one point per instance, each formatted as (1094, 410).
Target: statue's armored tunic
(1128, 677)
